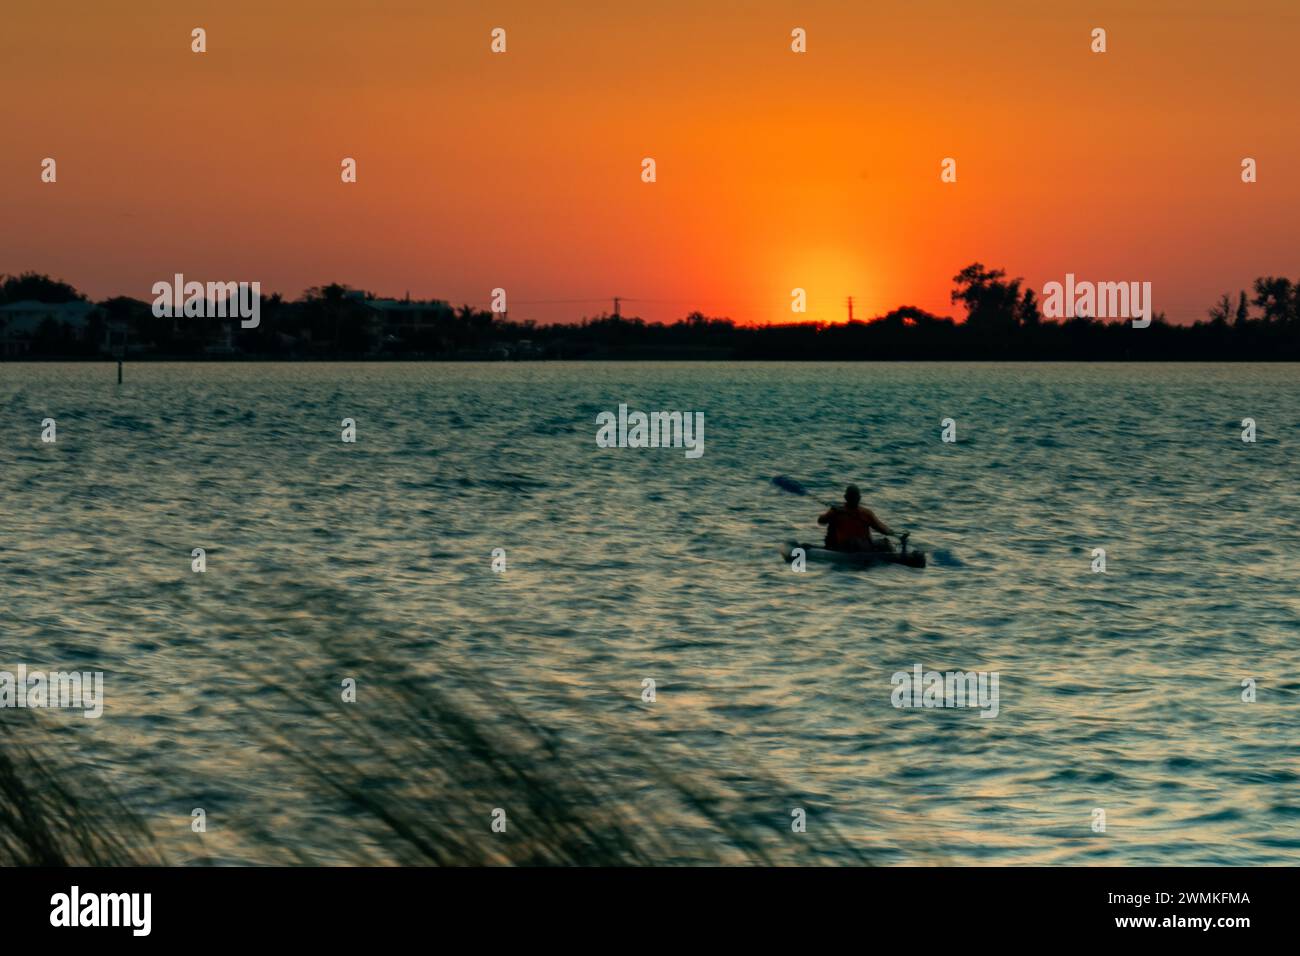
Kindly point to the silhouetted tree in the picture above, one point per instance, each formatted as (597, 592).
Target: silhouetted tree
(37, 288)
(1028, 310)
(1277, 299)
(335, 317)
(992, 304)
(1221, 310)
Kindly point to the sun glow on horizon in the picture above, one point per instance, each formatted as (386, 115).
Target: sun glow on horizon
(775, 170)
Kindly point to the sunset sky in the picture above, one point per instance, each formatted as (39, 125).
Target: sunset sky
(775, 170)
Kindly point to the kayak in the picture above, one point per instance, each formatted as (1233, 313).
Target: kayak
(862, 559)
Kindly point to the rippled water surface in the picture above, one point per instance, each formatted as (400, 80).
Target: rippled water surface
(1119, 691)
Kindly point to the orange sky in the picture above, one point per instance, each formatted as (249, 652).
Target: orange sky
(775, 170)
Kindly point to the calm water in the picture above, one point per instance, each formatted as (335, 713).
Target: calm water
(1119, 690)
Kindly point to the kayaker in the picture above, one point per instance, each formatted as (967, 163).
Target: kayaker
(849, 526)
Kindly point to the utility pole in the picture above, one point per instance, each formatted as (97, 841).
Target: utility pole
(850, 308)
(616, 301)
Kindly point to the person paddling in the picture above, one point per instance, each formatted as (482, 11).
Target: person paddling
(849, 526)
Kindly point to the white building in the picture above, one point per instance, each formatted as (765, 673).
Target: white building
(20, 321)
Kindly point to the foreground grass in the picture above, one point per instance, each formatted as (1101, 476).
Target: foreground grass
(49, 817)
(414, 774)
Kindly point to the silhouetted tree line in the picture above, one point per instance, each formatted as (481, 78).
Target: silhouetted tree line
(1003, 320)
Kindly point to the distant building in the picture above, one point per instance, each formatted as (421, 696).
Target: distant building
(21, 321)
(117, 334)
(405, 321)
(225, 341)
